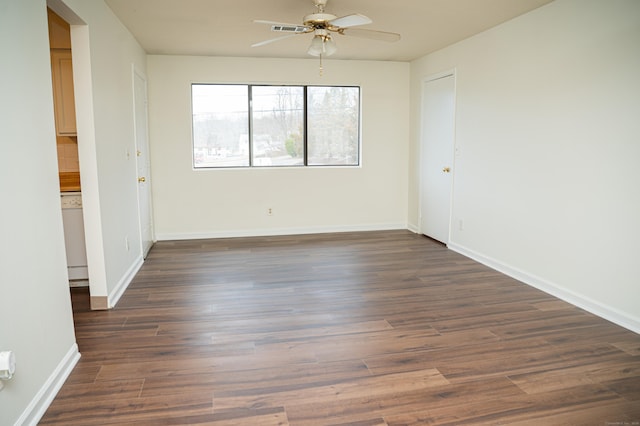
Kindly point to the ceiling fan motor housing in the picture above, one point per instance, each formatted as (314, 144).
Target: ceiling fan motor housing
(318, 20)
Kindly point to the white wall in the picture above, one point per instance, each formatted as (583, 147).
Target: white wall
(211, 203)
(548, 133)
(104, 53)
(35, 309)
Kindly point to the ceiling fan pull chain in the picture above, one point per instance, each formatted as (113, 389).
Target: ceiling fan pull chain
(321, 68)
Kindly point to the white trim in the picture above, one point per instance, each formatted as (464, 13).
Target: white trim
(609, 313)
(413, 228)
(124, 282)
(278, 231)
(43, 399)
(88, 157)
(439, 75)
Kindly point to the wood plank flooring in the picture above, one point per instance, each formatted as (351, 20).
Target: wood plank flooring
(363, 329)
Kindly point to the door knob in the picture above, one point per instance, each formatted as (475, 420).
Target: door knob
(446, 169)
(142, 179)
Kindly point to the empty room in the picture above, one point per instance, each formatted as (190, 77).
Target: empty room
(309, 212)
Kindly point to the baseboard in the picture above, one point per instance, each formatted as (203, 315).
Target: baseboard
(124, 282)
(39, 404)
(603, 311)
(413, 228)
(278, 231)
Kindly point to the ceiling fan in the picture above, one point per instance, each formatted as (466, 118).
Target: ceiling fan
(323, 25)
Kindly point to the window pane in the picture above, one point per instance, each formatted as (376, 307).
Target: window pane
(278, 120)
(220, 125)
(333, 125)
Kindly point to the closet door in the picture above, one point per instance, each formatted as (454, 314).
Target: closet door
(436, 158)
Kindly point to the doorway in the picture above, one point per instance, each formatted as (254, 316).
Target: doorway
(67, 148)
(87, 153)
(436, 156)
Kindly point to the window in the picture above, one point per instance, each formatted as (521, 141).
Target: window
(273, 126)
(278, 122)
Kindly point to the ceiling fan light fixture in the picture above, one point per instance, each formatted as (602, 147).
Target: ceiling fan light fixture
(315, 48)
(322, 45)
(329, 46)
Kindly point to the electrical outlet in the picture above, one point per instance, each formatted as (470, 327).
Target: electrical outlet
(269, 211)
(460, 225)
(126, 243)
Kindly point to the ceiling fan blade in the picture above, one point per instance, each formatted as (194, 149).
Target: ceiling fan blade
(350, 21)
(262, 43)
(370, 34)
(284, 27)
(262, 21)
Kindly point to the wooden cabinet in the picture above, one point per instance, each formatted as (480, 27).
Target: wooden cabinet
(63, 97)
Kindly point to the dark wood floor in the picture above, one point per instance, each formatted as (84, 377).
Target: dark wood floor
(369, 329)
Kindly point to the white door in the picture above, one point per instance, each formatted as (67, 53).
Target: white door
(436, 158)
(142, 160)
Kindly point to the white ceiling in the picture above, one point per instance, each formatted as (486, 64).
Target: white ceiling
(226, 28)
